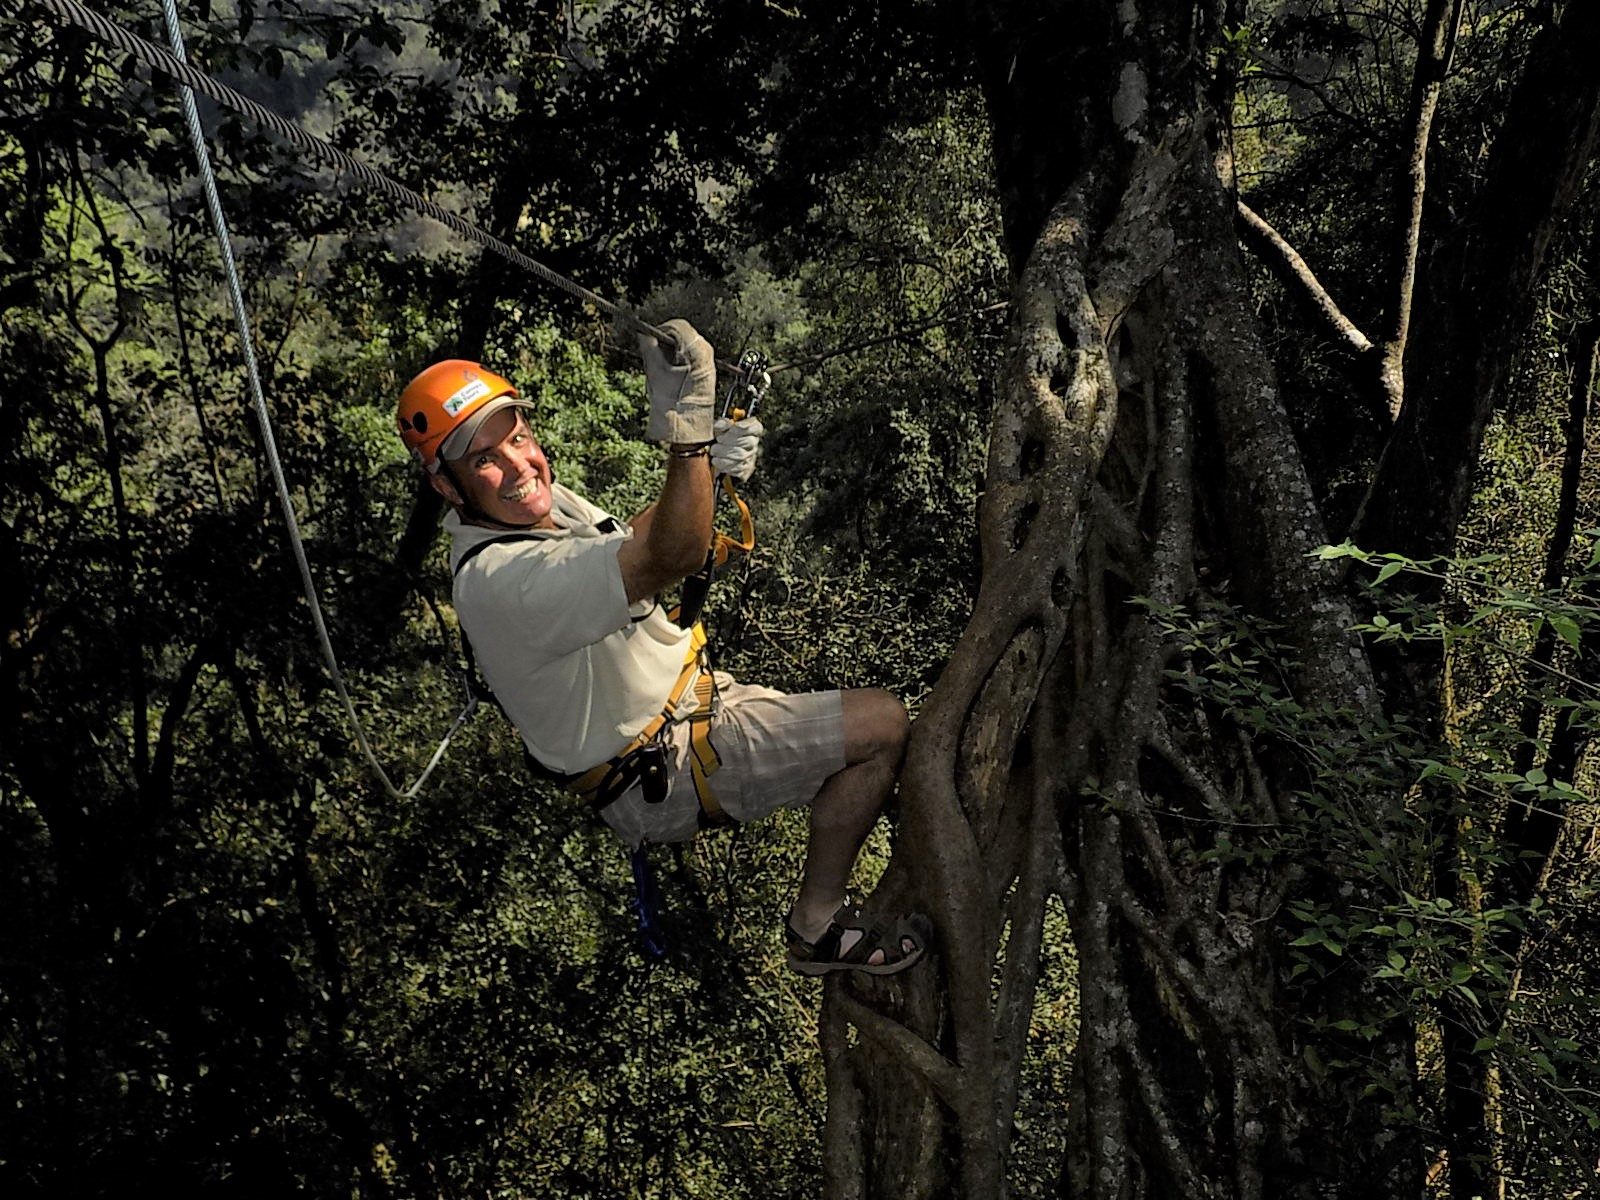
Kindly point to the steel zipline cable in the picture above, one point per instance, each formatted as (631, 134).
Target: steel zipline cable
(176, 65)
(219, 226)
(178, 68)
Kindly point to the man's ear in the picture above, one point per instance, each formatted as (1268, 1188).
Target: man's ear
(442, 484)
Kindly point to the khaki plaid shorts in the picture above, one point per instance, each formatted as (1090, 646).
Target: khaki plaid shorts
(777, 750)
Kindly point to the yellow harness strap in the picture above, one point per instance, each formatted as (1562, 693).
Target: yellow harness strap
(721, 544)
(704, 759)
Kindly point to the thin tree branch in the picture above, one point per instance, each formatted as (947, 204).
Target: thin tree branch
(1169, 1139)
(1433, 63)
(1293, 271)
(160, 790)
(101, 347)
(1162, 742)
(293, 310)
(895, 335)
(1020, 971)
(1318, 88)
(191, 376)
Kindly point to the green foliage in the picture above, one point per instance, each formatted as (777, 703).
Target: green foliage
(229, 957)
(1428, 913)
(231, 964)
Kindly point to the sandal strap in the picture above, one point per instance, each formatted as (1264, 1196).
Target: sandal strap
(874, 937)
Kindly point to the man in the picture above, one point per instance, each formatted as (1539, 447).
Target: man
(560, 604)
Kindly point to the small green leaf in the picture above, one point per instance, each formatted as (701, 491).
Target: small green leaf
(1566, 628)
(1342, 550)
(1314, 1061)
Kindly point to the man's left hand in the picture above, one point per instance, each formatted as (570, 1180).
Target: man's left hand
(736, 447)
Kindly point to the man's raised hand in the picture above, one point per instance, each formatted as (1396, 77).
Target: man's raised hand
(682, 382)
(738, 444)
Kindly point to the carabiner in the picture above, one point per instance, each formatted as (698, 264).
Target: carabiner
(749, 385)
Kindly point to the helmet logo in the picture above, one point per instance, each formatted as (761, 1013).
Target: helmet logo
(465, 396)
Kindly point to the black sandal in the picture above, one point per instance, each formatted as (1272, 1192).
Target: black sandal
(823, 955)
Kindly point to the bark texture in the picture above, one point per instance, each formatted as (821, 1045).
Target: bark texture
(1141, 465)
(1052, 753)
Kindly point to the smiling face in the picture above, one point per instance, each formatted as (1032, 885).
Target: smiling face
(504, 474)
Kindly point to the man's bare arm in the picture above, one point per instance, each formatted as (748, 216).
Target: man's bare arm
(670, 537)
(640, 524)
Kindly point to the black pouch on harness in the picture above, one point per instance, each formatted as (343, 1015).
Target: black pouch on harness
(649, 766)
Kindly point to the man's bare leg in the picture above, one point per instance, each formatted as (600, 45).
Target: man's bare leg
(847, 806)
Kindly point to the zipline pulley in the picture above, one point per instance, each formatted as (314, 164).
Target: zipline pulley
(748, 386)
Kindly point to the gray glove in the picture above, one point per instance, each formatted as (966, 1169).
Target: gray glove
(683, 385)
(737, 445)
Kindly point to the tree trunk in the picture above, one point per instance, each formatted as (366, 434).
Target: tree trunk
(1142, 470)
(1482, 298)
(1139, 449)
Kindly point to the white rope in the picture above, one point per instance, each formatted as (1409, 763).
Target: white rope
(269, 442)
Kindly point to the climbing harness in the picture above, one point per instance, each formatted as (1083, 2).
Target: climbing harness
(647, 759)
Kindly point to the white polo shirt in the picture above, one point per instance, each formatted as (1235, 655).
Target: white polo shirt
(576, 669)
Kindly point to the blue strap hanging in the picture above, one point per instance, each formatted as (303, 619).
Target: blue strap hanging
(646, 904)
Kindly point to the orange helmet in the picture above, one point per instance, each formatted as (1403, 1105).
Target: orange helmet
(442, 399)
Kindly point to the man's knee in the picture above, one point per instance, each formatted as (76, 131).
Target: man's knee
(875, 725)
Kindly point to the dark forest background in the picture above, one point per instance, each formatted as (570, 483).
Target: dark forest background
(1182, 406)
